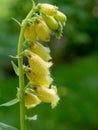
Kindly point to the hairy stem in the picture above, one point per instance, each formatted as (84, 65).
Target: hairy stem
(21, 73)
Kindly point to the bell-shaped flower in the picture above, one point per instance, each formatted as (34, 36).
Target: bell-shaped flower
(37, 79)
(39, 49)
(37, 64)
(48, 95)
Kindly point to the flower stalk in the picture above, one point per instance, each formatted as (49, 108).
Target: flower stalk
(33, 28)
(41, 22)
(21, 73)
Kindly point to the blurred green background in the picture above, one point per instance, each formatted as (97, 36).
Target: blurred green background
(75, 69)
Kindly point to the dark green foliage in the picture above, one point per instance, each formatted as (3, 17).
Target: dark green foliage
(80, 34)
(81, 29)
(77, 81)
(78, 107)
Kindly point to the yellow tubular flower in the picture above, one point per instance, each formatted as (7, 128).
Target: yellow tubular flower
(43, 52)
(31, 100)
(51, 22)
(47, 9)
(60, 17)
(37, 79)
(42, 30)
(37, 64)
(30, 33)
(48, 95)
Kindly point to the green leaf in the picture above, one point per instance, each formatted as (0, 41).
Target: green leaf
(6, 127)
(10, 103)
(32, 118)
(15, 68)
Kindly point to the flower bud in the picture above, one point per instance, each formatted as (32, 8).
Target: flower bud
(47, 9)
(43, 52)
(48, 95)
(31, 100)
(60, 17)
(30, 33)
(37, 64)
(51, 22)
(37, 79)
(42, 30)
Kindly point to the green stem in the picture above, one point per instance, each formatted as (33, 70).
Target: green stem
(21, 73)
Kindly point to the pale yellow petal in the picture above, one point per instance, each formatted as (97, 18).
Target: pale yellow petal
(48, 95)
(37, 79)
(30, 33)
(37, 64)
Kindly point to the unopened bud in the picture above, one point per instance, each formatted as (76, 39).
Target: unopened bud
(42, 30)
(47, 9)
(60, 17)
(51, 22)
